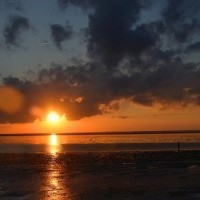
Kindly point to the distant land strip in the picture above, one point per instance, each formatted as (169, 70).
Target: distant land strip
(105, 133)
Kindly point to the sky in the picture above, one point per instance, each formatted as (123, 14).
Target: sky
(103, 65)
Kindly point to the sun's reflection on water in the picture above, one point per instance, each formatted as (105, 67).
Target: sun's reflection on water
(53, 139)
(56, 182)
(54, 146)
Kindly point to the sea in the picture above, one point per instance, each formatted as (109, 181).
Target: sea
(100, 166)
(116, 141)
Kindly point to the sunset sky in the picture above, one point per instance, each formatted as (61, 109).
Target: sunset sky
(101, 65)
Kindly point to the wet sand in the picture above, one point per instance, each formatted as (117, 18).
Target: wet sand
(93, 175)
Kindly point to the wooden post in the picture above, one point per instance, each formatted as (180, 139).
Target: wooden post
(178, 147)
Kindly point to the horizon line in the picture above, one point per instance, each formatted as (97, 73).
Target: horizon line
(104, 133)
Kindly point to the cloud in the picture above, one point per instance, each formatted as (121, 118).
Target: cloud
(193, 47)
(139, 61)
(13, 29)
(11, 4)
(181, 10)
(115, 31)
(181, 18)
(110, 33)
(54, 89)
(82, 91)
(60, 34)
(63, 4)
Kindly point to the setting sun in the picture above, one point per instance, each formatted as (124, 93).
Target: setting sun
(53, 117)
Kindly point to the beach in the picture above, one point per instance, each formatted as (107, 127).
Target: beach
(100, 175)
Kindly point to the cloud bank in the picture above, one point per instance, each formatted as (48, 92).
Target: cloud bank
(141, 61)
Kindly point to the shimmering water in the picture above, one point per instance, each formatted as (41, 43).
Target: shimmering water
(59, 167)
(110, 138)
(97, 142)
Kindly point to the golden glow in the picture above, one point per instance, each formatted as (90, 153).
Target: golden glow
(53, 140)
(9, 95)
(55, 176)
(53, 117)
(57, 183)
(54, 146)
(130, 118)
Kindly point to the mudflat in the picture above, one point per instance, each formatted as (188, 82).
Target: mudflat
(100, 175)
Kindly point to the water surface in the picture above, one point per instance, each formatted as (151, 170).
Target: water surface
(97, 142)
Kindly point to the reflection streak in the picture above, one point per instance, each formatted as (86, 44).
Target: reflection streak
(56, 188)
(54, 146)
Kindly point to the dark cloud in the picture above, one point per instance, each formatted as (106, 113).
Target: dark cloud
(87, 90)
(60, 33)
(181, 10)
(193, 47)
(61, 88)
(111, 33)
(63, 4)
(112, 22)
(115, 32)
(13, 29)
(181, 18)
(11, 4)
(127, 59)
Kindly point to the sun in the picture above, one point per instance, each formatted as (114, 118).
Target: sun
(53, 117)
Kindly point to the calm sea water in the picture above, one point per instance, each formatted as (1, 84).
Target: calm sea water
(33, 167)
(54, 143)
